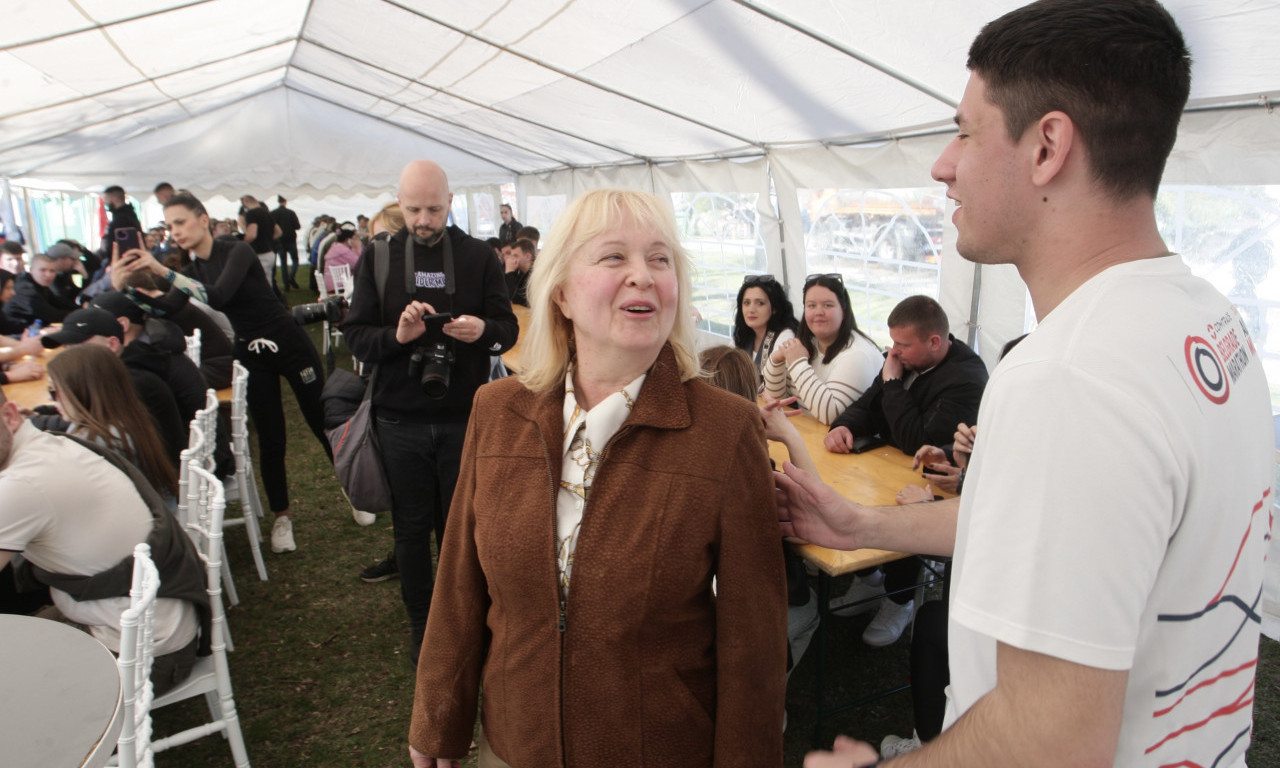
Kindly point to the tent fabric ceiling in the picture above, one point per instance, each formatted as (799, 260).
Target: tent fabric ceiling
(329, 94)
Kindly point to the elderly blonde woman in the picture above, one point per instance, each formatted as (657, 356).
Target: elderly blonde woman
(599, 496)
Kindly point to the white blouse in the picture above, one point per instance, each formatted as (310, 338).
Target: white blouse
(586, 433)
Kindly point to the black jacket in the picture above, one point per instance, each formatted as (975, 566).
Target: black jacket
(32, 301)
(928, 412)
(370, 328)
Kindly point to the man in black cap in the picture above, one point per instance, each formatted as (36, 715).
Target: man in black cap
(98, 326)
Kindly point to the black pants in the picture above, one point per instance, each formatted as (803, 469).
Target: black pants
(930, 672)
(422, 462)
(287, 352)
(899, 575)
(287, 260)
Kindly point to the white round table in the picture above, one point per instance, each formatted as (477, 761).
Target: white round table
(59, 695)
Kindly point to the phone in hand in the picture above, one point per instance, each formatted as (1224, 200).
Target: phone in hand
(128, 238)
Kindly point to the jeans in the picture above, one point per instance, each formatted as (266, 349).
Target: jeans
(421, 461)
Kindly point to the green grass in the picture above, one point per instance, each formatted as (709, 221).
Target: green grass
(321, 674)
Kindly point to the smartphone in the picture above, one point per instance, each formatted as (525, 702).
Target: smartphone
(128, 238)
(442, 318)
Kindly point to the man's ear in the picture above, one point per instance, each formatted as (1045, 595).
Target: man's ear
(1053, 140)
(11, 415)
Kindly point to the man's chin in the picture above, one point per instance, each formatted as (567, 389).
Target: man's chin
(432, 240)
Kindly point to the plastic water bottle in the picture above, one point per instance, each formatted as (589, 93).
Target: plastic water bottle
(33, 332)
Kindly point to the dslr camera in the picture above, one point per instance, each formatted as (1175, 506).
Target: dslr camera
(333, 309)
(432, 357)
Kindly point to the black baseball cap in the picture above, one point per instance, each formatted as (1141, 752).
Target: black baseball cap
(82, 325)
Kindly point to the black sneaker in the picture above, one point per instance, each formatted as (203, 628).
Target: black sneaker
(380, 571)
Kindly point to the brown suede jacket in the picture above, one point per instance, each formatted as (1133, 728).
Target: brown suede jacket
(645, 667)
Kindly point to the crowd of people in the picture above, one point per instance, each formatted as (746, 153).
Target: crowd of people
(613, 570)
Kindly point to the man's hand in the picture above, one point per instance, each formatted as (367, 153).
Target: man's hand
(892, 367)
(839, 440)
(811, 510)
(845, 753)
(928, 454)
(25, 370)
(422, 761)
(411, 326)
(962, 448)
(465, 328)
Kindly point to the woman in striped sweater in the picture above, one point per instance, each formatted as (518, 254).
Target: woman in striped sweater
(831, 363)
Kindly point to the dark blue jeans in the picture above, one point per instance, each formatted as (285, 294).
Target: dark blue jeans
(422, 463)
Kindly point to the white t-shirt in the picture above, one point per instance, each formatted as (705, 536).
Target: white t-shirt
(1116, 509)
(69, 511)
(826, 389)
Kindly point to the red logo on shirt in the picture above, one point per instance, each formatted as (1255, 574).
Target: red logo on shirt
(1207, 370)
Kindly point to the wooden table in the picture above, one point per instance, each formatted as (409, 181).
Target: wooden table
(873, 478)
(511, 358)
(29, 394)
(61, 703)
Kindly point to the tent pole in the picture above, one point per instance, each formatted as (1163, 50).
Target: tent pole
(975, 301)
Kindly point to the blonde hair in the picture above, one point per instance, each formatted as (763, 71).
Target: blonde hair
(548, 342)
(390, 219)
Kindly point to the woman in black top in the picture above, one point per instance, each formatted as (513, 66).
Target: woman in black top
(228, 276)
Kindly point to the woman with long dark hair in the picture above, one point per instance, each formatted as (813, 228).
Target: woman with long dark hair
(830, 363)
(93, 391)
(227, 275)
(764, 318)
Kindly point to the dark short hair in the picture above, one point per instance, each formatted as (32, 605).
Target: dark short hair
(524, 244)
(494, 242)
(188, 201)
(505, 205)
(280, 199)
(114, 189)
(12, 246)
(162, 186)
(923, 314)
(142, 278)
(529, 233)
(1119, 69)
(783, 317)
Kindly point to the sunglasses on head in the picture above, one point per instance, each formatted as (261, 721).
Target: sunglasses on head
(758, 279)
(811, 279)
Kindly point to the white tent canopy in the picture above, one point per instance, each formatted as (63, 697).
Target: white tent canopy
(322, 100)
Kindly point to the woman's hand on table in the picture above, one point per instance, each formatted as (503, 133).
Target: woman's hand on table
(914, 494)
(944, 476)
(845, 753)
(928, 454)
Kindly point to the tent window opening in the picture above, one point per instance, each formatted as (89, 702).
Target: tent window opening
(721, 232)
(885, 242)
(485, 224)
(63, 216)
(541, 212)
(459, 213)
(1229, 236)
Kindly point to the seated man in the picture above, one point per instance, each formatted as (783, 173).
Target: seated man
(66, 260)
(930, 382)
(70, 531)
(33, 297)
(518, 257)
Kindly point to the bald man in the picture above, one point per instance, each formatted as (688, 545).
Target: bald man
(390, 326)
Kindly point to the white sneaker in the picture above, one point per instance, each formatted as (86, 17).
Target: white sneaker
(282, 535)
(890, 621)
(862, 589)
(363, 518)
(894, 746)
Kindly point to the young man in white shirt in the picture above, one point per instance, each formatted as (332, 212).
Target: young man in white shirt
(1109, 546)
